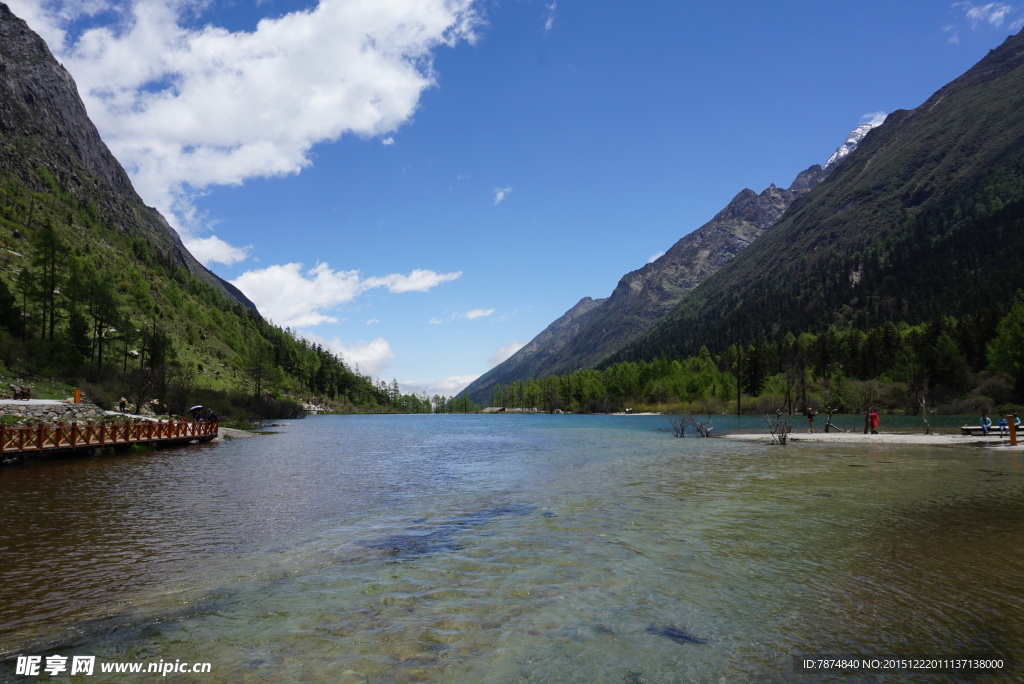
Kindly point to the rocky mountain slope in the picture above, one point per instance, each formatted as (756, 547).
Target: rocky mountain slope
(924, 219)
(44, 125)
(646, 295)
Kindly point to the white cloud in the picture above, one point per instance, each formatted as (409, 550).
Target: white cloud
(372, 321)
(441, 320)
(654, 257)
(448, 387)
(184, 108)
(419, 280)
(214, 250)
(993, 13)
(293, 298)
(549, 19)
(504, 352)
(500, 194)
(388, 141)
(451, 317)
(371, 357)
(874, 118)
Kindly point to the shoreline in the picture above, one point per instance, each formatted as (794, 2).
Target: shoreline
(233, 433)
(881, 438)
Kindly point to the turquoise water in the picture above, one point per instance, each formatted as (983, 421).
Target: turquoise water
(511, 548)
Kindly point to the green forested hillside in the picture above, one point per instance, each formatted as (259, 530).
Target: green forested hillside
(85, 302)
(973, 364)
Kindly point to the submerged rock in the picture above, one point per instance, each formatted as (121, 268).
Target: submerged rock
(439, 537)
(676, 634)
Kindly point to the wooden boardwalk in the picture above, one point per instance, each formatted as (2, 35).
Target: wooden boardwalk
(25, 440)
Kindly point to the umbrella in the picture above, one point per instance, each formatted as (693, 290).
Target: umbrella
(197, 406)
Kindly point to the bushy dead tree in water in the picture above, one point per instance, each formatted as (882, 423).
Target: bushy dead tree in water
(779, 427)
(681, 423)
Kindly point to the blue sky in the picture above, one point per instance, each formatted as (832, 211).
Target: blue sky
(424, 185)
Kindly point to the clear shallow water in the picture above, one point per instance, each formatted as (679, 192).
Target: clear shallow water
(511, 548)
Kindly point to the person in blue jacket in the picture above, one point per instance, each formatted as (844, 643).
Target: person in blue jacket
(986, 423)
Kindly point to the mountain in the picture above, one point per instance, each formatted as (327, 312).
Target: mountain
(542, 351)
(43, 124)
(98, 292)
(850, 145)
(924, 219)
(645, 296)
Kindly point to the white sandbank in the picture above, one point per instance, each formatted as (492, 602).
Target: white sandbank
(881, 438)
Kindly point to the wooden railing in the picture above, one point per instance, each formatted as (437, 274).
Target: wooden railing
(43, 437)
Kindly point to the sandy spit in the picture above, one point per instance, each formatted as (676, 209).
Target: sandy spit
(881, 438)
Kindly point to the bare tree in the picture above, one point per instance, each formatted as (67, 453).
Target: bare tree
(828, 423)
(779, 427)
(680, 423)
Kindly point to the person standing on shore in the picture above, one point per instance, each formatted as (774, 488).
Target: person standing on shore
(874, 421)
(122, 404)
(810, 418)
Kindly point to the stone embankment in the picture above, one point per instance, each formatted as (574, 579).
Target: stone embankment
(50, 411)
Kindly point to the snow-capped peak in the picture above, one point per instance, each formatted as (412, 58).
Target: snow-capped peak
(853, 140)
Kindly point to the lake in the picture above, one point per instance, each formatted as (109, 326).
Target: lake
(512, 548)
